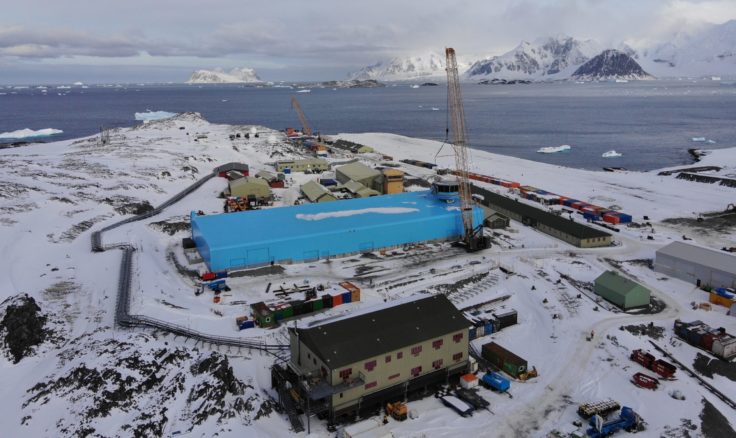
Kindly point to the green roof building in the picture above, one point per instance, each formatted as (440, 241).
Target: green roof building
(247, 186)
(358, 172)
(621, 291)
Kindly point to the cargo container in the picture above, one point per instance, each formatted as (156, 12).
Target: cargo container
(262, 314)
(347, 297)
(317, 305)
(354, 290)
(209, 276)
(471, 333)
(239, 319)
(624, 218)
(721, 299)
(591, 216)
(569, 202)
(611, 218)
(288, 311)
(246, 325)
(724, 346)
(488, 328)
(336, 300)
(663, 368)
(327, 301)
(468, 381)
(506, 319)
(643, 358)
(515, 185)
(505, 360)
(278, 314)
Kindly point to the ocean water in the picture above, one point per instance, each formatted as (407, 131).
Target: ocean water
(651, 123)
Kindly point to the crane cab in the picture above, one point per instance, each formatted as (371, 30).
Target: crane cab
(446, 190)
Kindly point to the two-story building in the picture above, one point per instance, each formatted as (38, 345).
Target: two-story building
(356, 364)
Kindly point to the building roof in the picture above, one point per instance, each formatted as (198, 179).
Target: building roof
(567, 226)
(314, 190)
(704, 256)
(618, 283)
(231, 166)
(268, 176)
(358, 171)
(353, 339)
(366, 192)
(248, 180)
(353, 186)
(393, 172)
(312, 161)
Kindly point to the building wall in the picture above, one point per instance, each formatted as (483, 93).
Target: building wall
(637, 297)
(691, 271)
(302, 165)
(396, 371)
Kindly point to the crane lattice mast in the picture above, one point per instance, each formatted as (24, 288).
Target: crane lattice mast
(302, 118)
(457, 120)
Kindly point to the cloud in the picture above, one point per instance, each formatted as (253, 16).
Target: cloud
(20, 42)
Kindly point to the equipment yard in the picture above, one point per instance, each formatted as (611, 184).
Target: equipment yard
(58, 195)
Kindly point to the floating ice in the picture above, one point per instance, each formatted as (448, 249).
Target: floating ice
(153, 115)
(415, 86)
(29, 133)
(346, 213)
(711, 141)
(698, 139)
(434, 108)
(554, 149)
(304, 91)
(612, 154)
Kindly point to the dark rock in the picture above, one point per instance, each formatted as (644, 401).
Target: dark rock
(23, 326)
(611, 64)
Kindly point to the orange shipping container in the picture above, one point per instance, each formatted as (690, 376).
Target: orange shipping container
(721, 301)
(353, 289)
(611, 219)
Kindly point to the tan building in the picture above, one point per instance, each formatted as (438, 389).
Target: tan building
(305, 165)
(250, 186)
(316, 192)
(393, 181)
(358, 190)
(358, 172)
(355, 364)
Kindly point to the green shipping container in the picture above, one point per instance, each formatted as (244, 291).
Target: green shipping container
(317, 305)
(288, 312)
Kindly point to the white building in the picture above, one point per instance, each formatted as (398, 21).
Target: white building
(696, 264)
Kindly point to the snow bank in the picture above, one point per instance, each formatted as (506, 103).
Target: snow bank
(554, 149)
(612, 154)
(346, 213)
(29, 133)
(153, 115)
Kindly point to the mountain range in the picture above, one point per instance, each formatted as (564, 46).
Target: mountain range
(709, 51)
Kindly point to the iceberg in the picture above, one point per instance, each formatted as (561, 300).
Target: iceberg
(554, 149)
(153, 115)
(698, 139)
(612, 154)
(29, 133)
(305, 91)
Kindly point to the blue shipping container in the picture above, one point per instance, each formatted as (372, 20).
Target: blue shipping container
(591, 216)
(222, 274)
(247, 324)
(347, 297)
(488, 328)
(471, 333)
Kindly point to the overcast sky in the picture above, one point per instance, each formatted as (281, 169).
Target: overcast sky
(164, 40)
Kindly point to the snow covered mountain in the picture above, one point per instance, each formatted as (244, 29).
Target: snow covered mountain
(545, 58)
(609, 65)
(430, 65)
(709, 51)
(219, 76)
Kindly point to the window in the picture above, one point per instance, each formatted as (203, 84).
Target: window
(341, 395)
(394, 376)
(437, 344)
(344, 374)
(437, 364)
(415, 371)
(416, 350)
(388, 358)
(457, 356)
(399, 355)
(370, 365)
(458, 337)
(371, 385)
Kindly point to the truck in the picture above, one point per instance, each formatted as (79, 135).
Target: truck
(602, 408)
(627, 420)
(495, 382)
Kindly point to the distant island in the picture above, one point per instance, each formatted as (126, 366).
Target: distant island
(219, 76)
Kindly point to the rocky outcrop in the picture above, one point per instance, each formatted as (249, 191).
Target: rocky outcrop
(23, 327)
(611, 65)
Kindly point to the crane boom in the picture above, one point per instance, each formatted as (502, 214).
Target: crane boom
(457, 121)
(302, 118)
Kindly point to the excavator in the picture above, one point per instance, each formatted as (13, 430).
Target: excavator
(397, 410)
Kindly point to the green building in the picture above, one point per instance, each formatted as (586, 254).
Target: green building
(621, 291)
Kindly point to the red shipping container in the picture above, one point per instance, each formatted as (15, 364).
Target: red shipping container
(708, 341)
(207, 276)
(611, 219)
(515, 185)
(336, 300)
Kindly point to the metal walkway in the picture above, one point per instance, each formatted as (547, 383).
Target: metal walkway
(122, 307)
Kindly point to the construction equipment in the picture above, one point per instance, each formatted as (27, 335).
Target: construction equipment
(628, 420)
(602, 408)
(306, 129)
(530, 374)
(473, 238)
(397, 410)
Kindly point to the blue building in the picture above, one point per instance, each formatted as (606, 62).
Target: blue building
(310, 232)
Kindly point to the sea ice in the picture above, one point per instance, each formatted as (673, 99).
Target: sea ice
(612, 154)
(304, 91)
(29, 133)
(554, 149)
(153, 115)
(698, 139)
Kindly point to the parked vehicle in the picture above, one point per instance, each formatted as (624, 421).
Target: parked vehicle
(643, 381)
(628, 420)
(602, 408)
(663, 368)
(495, 382)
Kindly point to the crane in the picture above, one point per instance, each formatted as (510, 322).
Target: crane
(472, 237)
(302, 118)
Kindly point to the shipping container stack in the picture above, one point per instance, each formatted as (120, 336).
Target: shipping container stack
(486, 326)
(266, 316)
(504, 360)
(722, 297)
(715, 341)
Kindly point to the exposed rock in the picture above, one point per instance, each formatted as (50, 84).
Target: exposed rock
(23, 327)
(609, 65)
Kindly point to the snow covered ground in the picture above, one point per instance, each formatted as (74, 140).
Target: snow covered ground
(93, 376)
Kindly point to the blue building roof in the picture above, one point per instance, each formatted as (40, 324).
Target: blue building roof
(313, 231)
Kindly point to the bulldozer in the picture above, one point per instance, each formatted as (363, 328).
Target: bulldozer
(530, 374)
(397, 410)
